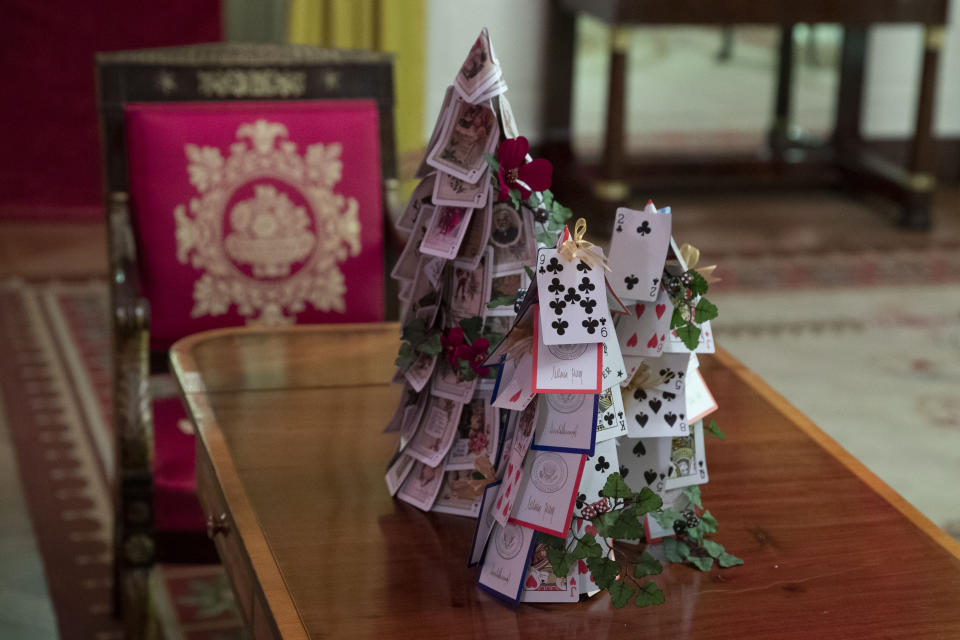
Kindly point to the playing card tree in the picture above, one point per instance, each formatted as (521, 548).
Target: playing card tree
(474, 222)
(576, 440)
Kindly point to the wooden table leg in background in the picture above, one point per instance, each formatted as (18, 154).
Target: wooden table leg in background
(921, 159)
(779, 136)
(612, 186)
(846, 133)
(558, 98)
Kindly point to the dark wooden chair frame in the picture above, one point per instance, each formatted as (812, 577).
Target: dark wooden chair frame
(209, 73)
(843, 160)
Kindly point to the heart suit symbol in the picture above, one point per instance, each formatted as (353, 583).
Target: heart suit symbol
(652, 342)
(516, 396)
(660, 309)
(632, 342)
(639, 308)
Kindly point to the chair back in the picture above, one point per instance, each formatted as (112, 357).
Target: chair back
(255, 176)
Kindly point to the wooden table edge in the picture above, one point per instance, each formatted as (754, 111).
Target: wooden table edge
(834, 448)
(269, 577)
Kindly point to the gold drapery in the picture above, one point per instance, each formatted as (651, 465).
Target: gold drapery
(393, 26)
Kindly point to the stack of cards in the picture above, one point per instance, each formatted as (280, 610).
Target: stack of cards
(465, 250)
(590, 380)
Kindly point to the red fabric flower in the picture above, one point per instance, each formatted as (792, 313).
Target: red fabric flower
(451, 340)
(516, 173)
(475, 354)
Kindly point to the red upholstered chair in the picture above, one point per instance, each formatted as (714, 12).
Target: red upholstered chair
(245, 186)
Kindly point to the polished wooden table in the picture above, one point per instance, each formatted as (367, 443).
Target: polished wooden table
(290, 469)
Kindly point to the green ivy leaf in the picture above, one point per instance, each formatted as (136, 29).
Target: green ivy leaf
(714, 430)
(603, 570)
(649, 594)
(415, 331)
(605, 523)
(404, 355)
(675, 550)
(676, 320)
(695, 533)
(620, 594)
(728, 560)
(708, 524)
(476, 475)
(546, 238)
(715, 549)
(689, 334)
(587, 547)
(502, 301)
(699, 285)
(703, 564)
(492, 162)
(693, 495)
(530, 273)
(667, 517)
(472, 327)
(704, 311)
(615, 487)
(547, 198)
(647, 565)
(431, 346)
(646, 501)
(628, 525)
(559, 561)
(515, 199)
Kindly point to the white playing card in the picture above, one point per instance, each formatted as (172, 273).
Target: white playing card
(572, 368)
(477, 434)
(572, 299)
(485, 524)
(397, 472)
(652, 413)
(446, 384)
(406, 266)
(435, 436)
(446, 230)
(469, 291)
(611, 419)
(543, 585)
(704, 344)
(512, 238)
(548, 490)
(700, 402)
(456, 497)
(644, 462)
(671, 367)
(420, 197)
(504, 285)
(418, 374)
(522, 436)
(416, 404)
(470, 131)
(566, 422)
(638, 250)
(507, 119)
(474, 245)
(479, 70)
(688, 460)
(614, 368)
(452, 191)
(421, 486)
(644, 331)
(598, 468)
(504, 565)
(517, 393)
(616, 305)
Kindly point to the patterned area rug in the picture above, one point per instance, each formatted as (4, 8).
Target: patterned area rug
(54, 345)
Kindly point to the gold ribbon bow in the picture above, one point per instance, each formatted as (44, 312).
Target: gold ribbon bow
(576, 248)
(691, 256)
(644, 378)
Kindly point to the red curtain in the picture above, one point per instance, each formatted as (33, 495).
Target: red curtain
(50, 144)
